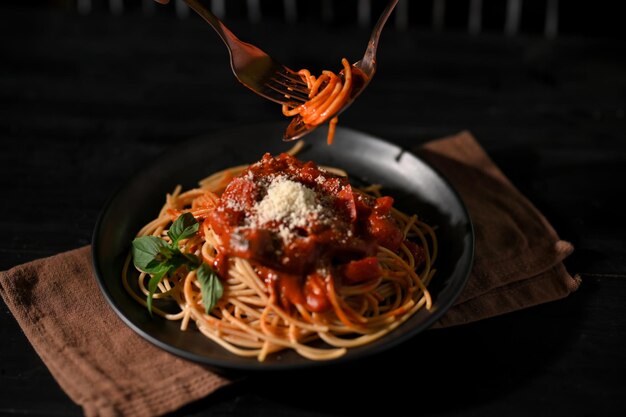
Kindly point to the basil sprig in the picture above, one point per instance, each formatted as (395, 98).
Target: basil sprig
(160, 258)
(210, 287)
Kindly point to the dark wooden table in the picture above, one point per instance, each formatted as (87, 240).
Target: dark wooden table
(86, 101)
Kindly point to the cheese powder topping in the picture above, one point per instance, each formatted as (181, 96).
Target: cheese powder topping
(288, 202)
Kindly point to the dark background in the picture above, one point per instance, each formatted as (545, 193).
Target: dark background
(87, 99)
(576, 17)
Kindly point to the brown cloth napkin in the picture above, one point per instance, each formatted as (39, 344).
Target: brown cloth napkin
(518, 255)
(86, 346)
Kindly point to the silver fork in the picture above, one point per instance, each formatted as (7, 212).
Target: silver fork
(297, 128)
(254, 68)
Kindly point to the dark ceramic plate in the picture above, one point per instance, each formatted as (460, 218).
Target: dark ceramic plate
(415, 186)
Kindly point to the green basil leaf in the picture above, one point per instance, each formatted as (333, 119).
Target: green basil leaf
(192, 260)
(148, 251)
(210, 287)
(178, 259)
(155, 256)
(154, 282)
(185, 226)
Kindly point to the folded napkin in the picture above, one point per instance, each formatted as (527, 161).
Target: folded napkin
(59, 306)
(85, 345)
(518, 255)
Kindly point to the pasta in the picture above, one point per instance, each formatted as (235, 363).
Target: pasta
(302, 261)
(328, 93)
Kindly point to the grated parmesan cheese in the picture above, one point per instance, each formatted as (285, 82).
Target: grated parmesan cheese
(289, 203)
(320, 179)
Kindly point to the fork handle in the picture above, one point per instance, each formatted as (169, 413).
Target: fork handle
(241, 53)
(369, 58)
(203, 9)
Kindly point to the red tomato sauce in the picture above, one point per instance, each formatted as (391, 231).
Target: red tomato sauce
(339, 241)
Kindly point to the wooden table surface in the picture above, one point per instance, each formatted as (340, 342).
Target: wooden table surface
(86, 101)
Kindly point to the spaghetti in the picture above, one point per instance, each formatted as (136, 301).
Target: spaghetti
(328, 93)
(303, 261)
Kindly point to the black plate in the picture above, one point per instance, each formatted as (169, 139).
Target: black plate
(416, 187)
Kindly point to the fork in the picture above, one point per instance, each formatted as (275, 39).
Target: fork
(297, 128)
(254, 68)
(367, 64)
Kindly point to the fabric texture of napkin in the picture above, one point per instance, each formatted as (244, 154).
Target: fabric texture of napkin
(518, 255)
(57, 302)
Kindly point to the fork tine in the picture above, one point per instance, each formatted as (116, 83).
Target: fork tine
(292, 104)
(293, 76)
(289, 95)
(288, 85)
(302, 91)
(292, 88)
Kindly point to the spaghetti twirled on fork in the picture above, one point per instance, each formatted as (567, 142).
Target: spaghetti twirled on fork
(328, 93)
